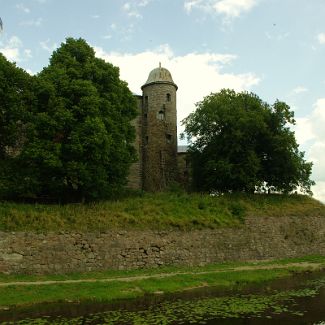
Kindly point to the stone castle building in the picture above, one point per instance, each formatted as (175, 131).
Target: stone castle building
(159, 163)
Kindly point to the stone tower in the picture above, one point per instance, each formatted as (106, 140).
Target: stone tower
(159, 130)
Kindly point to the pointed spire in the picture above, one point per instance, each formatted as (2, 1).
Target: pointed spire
(159, 65)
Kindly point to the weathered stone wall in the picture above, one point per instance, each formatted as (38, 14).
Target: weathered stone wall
(183, 169)
(159, 135)
(259, 238)
(156, 134)
(135, 171)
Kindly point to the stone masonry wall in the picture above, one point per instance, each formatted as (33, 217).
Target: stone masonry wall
(135, 171)
(159, 136)
(259, 238)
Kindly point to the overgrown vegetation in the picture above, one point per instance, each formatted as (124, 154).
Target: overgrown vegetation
(65, 134)
(157, 211)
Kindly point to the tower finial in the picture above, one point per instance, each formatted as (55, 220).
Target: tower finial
(159, 65)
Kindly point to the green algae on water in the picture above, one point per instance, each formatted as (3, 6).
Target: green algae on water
(197, 311)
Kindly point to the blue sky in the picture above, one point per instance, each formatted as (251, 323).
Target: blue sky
(274, 48)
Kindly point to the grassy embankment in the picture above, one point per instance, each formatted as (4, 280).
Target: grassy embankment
(112, 285)
(154, 211)
(150, 211)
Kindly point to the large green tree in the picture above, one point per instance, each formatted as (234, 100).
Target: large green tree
(240, 143)
(79, 144)
(16, 108)
(16, 98)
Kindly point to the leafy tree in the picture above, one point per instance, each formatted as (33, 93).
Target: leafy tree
(16, 97)
(80, 142)
(240, 143)
(16, 106)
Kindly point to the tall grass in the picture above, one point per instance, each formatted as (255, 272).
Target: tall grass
(160, 211)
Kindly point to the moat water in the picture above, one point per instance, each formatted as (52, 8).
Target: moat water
(296, 300)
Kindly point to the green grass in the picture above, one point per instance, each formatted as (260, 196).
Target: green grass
(110, 291)
(316, 259)
(160, 211)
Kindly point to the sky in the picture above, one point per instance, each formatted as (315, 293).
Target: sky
(274, 48)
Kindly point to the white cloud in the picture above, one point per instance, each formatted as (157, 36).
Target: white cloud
(11, 49)
(143, 3)
(134, 14)
(14, 51)
(123, 33)
(45, 45)
(12, 54)
(15, 41)
(294, 96)
(132, 8)
(95, 16)
(277, 36)
(228, 8)
(30, 72)
(32, 23)
(299, 90)
(111, 30)
(126, 6)
(233, 8)
(28, 53)
(22, 7)
(303, 130)
(321, 38)
(196, 74)
(317, 119)
(191, 4)
(107, 36)
(311, 129)
(319, 191)
(317, 155)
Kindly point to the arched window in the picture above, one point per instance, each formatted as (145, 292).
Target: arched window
(168, 97)
(161, 115)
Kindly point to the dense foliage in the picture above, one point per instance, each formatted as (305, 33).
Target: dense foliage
(16, 106)
(78, 143)
(240, 143)
(15, 94)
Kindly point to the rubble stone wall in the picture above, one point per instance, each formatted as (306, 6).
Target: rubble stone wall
(259, 238)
